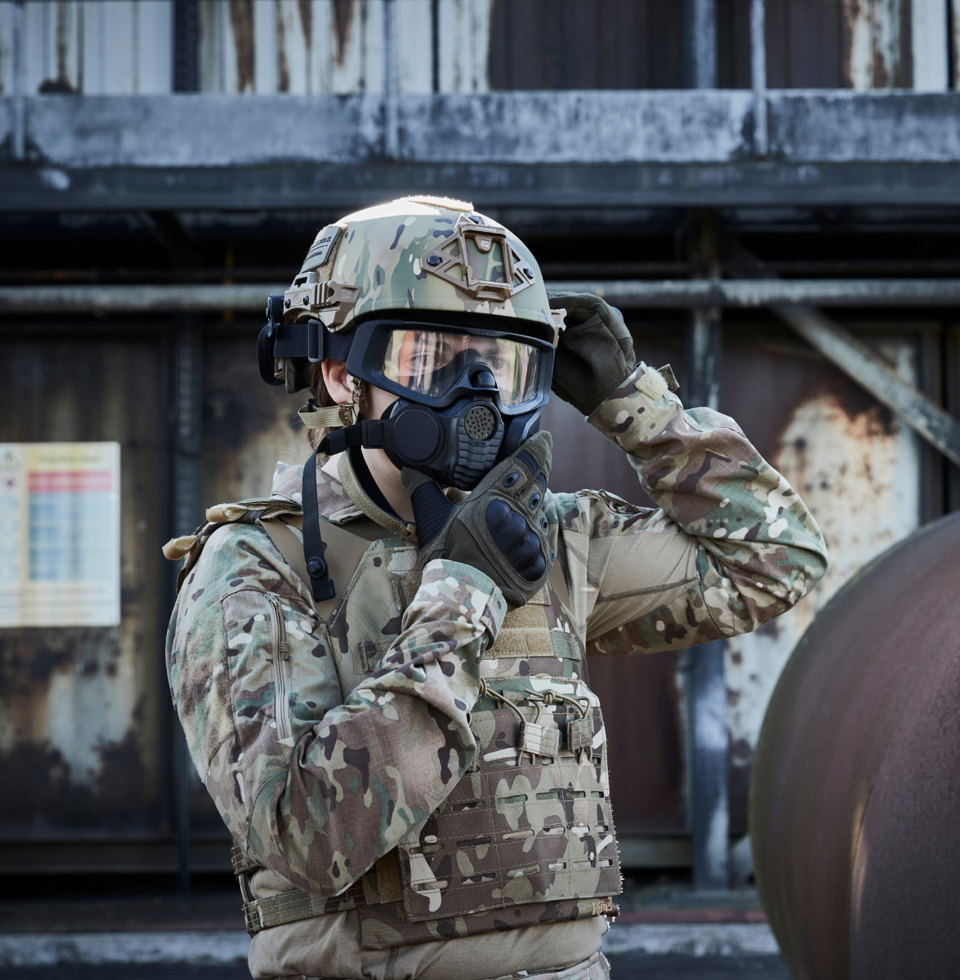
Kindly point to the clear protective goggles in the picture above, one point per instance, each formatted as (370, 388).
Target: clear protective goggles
(428, 361)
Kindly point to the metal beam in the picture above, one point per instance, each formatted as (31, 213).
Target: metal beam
(758, 76)
(597, 148)
(678, 294)
(935, 425)
(856, 359)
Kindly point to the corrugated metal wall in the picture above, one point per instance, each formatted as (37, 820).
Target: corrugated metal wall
(322, 46)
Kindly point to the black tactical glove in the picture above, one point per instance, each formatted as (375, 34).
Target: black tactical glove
(500, 528)
(595, 351)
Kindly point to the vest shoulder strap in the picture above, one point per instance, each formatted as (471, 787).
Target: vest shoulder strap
(344, 546)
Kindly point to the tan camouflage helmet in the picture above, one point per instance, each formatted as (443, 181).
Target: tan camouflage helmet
(423, 254)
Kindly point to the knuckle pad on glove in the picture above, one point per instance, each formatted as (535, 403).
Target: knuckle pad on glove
(513, 537)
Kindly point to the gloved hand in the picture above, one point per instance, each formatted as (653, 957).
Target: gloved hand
(500, 528)
(595, 352)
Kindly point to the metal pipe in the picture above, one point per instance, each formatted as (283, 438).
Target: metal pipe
(391, 141)
(185, 463)
(700, 44)
(747, 293)
(706, 685)
(19, 94)
(758, 76)
(628, 294)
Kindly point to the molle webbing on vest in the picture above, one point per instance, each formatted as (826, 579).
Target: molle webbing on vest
(529, 829)
(532, 823)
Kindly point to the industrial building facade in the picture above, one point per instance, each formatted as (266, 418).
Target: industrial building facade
(769, 190)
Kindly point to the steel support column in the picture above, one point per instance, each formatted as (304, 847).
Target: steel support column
(758, 77)
(187, 500)
(700, 44)
(706, 686)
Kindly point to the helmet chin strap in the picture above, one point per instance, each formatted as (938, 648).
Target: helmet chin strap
(313, 416)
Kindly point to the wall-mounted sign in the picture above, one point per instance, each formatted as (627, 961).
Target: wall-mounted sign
(59, 533)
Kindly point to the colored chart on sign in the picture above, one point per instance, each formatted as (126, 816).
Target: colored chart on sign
(59, 534)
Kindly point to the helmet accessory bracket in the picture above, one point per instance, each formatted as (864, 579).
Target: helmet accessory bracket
(479, 260)
(309, 339)
(324, 298)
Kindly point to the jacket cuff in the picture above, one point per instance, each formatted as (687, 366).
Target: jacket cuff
(475, 595)
(640, 409)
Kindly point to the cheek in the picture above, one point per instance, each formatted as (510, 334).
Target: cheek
(378, 401)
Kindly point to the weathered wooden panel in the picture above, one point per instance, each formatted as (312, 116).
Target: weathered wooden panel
(463, 45)
(308, 47)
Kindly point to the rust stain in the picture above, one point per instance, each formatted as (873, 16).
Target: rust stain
(850, 14)
(60, 85)
(118, 782)
(343, 11)
(880, 73)
(50, 797)
(241, 21)
(283, 64)
(63, 23)
(30, 656)
(305, 8)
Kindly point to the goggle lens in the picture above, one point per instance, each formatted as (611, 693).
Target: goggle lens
(429, 362)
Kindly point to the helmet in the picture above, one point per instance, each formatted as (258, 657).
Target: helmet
(414, 274)
(415, 253)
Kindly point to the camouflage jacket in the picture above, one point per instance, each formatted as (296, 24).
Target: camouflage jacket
(328, 747)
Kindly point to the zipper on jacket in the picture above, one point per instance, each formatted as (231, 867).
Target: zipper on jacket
(281, 660)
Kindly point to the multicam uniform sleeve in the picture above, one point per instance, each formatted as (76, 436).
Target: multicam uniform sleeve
(730, 545)
(314, 785)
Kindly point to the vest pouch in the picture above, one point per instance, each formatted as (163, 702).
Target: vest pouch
(519, 841)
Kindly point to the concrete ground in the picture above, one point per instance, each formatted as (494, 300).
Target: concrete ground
(146, 931)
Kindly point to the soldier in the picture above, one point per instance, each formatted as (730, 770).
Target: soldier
(381, 668)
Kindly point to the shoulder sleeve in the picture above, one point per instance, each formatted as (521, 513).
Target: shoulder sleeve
(729, 546)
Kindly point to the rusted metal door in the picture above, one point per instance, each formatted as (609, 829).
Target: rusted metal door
(84, 723)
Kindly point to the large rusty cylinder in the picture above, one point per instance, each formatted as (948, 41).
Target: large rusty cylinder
(855, 792)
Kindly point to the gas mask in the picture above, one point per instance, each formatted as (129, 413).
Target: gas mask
(468, 396)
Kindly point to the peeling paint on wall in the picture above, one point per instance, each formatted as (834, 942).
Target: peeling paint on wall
(878, 52)
(857, 473)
